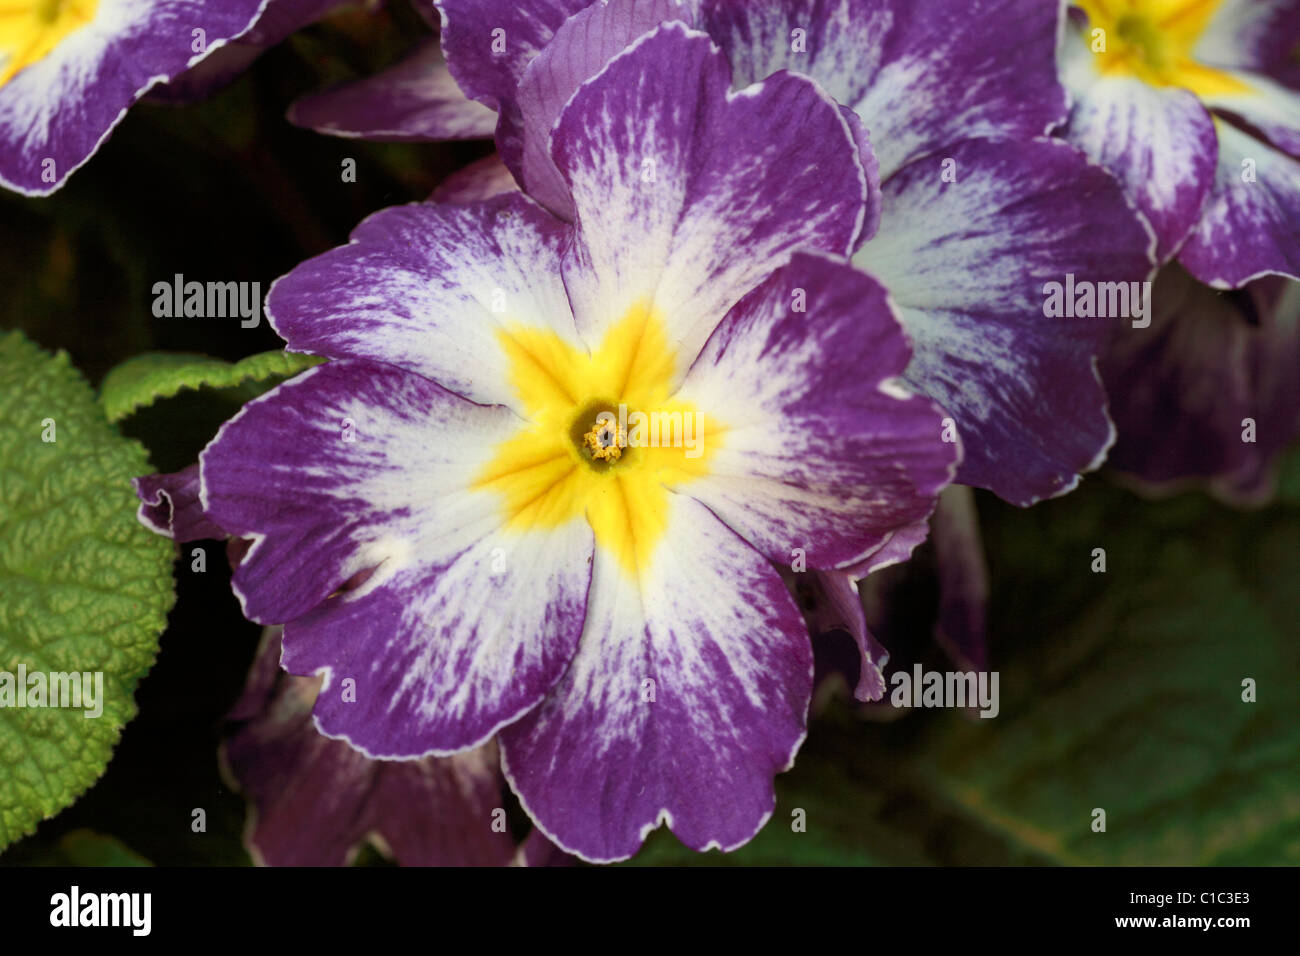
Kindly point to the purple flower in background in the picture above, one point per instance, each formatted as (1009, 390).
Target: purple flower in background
(279, 19)
(314, 801)
(70, 69)
(413, 100)
(1209, 392)
(1193, 105)
(522, 556)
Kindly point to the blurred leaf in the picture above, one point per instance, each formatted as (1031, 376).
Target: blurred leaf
(86, 587)
(88, 848)
(143, 379)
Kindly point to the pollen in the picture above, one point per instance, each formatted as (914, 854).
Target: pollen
(605, 440)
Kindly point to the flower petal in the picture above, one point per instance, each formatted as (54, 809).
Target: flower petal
(429, 288)
(489, 43)
(824, 451)
(688, 195)
(963, 578)
(579, 50)
(314, 801)
(462, 623)
(1159, 142)
(966, 263)
(1265, 105)
(688, 694)
(414, 100)
(62, 107)
(1251, 225)
(920, 73)
(481, 179)
(170, 506)
(279, 19)
(1182, 389)
(1249, 34)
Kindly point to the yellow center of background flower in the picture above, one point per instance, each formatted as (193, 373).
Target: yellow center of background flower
(1153, 40)
(29, 31)
(547, 474)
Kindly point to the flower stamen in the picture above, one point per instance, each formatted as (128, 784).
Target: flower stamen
(604, 441)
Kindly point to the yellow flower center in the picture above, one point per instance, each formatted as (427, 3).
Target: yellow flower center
(30, 29)
(604, 440)
(1153, 41)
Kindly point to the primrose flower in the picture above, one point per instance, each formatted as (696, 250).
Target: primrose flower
(977, 212)
(1208, 393)
(618, 621)
(415, 99)
(314, 801)
(70, 69)
(1189, 103)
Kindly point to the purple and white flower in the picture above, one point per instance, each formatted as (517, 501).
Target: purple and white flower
(70, 69)
(615, 617)
(1192, 104)
(978, 213)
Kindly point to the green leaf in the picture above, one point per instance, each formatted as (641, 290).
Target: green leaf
(143, 379)
(83, 586)
(88, 848)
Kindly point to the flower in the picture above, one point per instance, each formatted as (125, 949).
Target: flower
(977, 211)
(415, 99)
(70, 69)
(1208, 393)
(619, 623)
(1190, 103)
(314, 801)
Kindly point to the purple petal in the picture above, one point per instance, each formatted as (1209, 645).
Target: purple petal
(579, 50)
(1250, 35)
(823, 455)
(463, 624)
(481, 179)
(1159, 142)
(429, 288)
(829, 602)
(489, 43)
(1181, 390)
(278, 20)
(170, 506)
(314, 801)
(920, 73)
(415, 100)
(62, 107)
(967, 263)
(688, 195)
(688, 694)
(1251, 225)
(963, 578)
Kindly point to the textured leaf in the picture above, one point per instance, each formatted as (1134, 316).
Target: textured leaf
(83, 586)
(143, 379)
